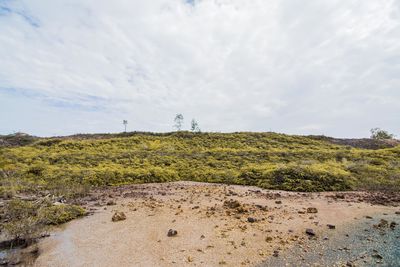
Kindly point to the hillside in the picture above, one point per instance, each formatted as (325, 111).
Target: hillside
(49, 181)
(69, 166)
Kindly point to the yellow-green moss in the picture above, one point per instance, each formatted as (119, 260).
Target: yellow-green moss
(58, 214)
(68, 166)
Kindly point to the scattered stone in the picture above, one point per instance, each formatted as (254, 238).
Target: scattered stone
(331, 226)
(232, 204)
(382, 224)
(118, 216)
(312, 210)
(172, 232)
(111, 203)
(339, 196)
(232, 193)
(261, 207)
(310, 232)
(251, 219)
(278, 202)
(268, 239)
(377, 256)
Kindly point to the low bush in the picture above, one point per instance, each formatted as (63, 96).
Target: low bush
(70, 167)
(27, 220)
(58, 214)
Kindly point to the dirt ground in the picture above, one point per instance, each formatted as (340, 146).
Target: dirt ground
(216, 225)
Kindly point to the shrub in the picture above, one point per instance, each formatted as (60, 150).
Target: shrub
(27, 220)
(58, 214)
(293, 177)
(69, 167)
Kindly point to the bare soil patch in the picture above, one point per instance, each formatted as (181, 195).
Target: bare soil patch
(199, 224)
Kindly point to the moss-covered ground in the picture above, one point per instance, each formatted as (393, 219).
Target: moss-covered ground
(66, 168)
(70, 166)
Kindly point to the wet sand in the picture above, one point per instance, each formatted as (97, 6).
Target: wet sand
(213, 229)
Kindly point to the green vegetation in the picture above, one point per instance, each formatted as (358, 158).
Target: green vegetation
(69, 167)
(26, 220)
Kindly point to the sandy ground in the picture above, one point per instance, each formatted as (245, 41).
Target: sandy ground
(212, 229)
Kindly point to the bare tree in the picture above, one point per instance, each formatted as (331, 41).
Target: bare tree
(178, 121)
(194, 126)
(125, 123)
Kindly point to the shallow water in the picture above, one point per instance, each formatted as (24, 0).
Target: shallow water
(358, 243)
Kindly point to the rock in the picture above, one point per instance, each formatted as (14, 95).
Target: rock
(261, 207)
(232, 204)
(312, 210)
(331, 226)
(382, 224)
(339, 196)
(111, 203)
(172, 232)
(377, 256)
(268, 239)
(392, 225)
(276, 253)
(310, 232)
(251, 219)
(278, 202)
(368, 217)
(397, 213)
(241, 210)
(118, 216)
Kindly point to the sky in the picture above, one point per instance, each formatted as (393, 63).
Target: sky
(327, 67)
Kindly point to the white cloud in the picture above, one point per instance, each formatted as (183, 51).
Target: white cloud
(233, 64)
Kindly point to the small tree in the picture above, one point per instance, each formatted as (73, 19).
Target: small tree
(178, 121)
(194, 126)
(379, 134)
(125, 122)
